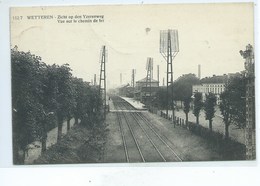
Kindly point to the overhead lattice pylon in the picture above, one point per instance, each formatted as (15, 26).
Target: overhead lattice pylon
(148, 91)
(169, 48)
(102, 79)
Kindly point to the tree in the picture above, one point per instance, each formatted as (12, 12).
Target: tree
(46, 120)
(226, 111)
(236, 86)
(65, 98)
(94, 106)
(209, 107)
(49, 102)
(182, 87)
(160, 98)
(88, 102)
(58, 93)
(79, 109)
(197, 105)
(44, 95)
(186, 108)
(232, 104)
(26, 106)
(71, 107)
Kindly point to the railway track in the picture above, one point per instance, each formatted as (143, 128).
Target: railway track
(162, 138)
(123, 137)
(131, 156)
(134, 137)
(149, 138)
(150, 144)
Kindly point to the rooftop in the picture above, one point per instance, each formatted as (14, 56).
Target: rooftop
(214, 79)
(218, 78)
(144, 80)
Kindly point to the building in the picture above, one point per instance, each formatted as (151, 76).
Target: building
(142, 91)
(214, 84)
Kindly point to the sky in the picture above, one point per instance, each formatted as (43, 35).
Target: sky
(209, 34)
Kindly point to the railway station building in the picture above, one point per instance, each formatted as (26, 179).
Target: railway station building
(142, 89)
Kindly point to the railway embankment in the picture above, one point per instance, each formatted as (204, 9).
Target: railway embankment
(80, 145)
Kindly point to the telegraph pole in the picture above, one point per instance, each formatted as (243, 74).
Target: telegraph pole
(102, 79)
(248, 55)
(169, 48)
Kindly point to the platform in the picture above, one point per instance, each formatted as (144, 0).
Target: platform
(128, 111)
(136, 104)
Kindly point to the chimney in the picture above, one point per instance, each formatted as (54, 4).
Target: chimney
(95, 80)
(120, 78)
(199, 71)
(163, 81)
(158, 74)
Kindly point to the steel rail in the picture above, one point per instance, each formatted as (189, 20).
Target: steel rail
(131, 131)
(148, 123)
(121, 131)
(136, 142)
(151, 141)
(123, 136)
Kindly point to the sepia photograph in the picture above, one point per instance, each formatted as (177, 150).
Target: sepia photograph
(144, 83)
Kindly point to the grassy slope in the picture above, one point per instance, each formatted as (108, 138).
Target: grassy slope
(80, 145)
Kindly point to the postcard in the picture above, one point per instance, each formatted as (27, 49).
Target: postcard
(133, 83)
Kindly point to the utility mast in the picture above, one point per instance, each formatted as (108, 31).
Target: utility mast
(169, 48)
(102, 79)
(248, 55)
(148, 91)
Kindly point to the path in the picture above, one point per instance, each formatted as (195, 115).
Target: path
(35, 152)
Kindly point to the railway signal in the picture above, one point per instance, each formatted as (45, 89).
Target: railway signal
(248, 55)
